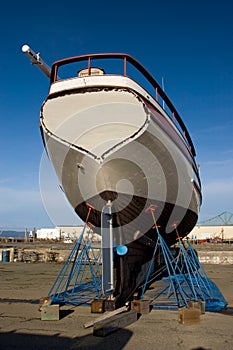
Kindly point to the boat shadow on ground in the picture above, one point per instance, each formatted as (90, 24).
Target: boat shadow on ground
(115, 341)
(65, 313)
(228, 311)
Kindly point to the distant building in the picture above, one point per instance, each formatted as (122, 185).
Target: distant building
(66, 233)
(205, 232)
(69, 232)
(48, 233)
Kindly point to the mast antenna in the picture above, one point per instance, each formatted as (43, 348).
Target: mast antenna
(37, 60)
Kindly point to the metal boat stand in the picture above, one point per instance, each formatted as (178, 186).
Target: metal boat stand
(71, 285)
(185, 281)
(79, 279)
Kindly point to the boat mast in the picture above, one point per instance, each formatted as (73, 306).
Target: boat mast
(37, 60)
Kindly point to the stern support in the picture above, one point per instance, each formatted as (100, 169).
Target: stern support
(107, 250)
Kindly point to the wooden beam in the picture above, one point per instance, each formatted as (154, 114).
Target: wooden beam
(106, 316)
(114, 323)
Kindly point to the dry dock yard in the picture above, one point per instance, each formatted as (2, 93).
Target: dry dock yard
(21, 327)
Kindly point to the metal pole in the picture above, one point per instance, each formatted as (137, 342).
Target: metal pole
(37, 60)
(107, 250)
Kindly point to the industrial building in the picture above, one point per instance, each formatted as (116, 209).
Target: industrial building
(65, 233)
(212, 233)
(218, 229)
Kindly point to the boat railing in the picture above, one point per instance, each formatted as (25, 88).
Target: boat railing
(157, 92)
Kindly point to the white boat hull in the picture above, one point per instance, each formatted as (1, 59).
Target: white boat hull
(135, 162)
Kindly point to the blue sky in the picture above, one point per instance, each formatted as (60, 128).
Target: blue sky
(188, 43)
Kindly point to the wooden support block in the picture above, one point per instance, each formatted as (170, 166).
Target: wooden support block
(50, 312)
(110, 305)
(97, 306)
(114, 323)
(189, 316)
(202, 306)
(44, 301)
(141, 306)
(197, 305)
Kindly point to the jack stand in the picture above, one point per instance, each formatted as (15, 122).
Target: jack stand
(71, 285)
(186, 282)
(172, 295)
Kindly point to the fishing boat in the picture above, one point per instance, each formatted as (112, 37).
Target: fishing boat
(113, 136)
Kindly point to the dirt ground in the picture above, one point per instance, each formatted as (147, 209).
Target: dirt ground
(21, 327)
